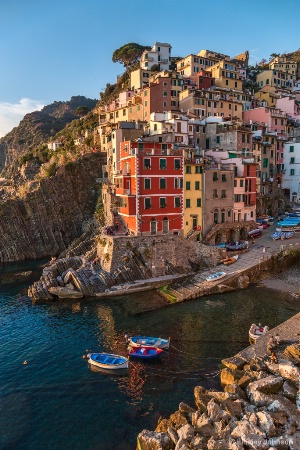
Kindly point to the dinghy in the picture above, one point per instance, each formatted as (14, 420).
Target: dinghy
(148, 341)
(145, 352)
(216, 276)
(256, 331)
(229, 261)
(108, 361)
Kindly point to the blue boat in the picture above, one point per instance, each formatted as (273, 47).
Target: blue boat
(216, 276)
(145, 352)
(108, 361)
(148, 341)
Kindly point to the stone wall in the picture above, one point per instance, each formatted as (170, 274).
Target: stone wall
(162, 254)
(47, 220)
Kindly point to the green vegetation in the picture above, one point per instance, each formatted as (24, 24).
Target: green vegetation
(129, 54)
(167, 294)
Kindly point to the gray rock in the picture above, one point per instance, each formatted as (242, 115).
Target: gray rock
(235, 391)
(281, 442)
(254, 442)
(289, 390)
(244, 428)
(63, 292)
(184, 408)
(203, 425)
(266, 385)
(60, 281)
(182, 444)
(266, 423)
(289, 371)
(215, 412)
(217, 444)
(173, 434)
(186, 432)
(149, 440)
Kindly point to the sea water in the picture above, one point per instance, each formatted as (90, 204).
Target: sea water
(56, 401)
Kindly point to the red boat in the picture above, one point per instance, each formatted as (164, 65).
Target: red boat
(144, 352)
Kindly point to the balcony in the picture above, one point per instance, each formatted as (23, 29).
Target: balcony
(164, 61)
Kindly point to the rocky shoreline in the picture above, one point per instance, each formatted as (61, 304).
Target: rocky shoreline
(259, 407)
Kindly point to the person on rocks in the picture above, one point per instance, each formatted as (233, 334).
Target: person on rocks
(277, 339)
(271, 344)
(274, 358)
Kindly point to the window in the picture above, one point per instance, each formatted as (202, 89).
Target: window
(215, 176)
(165, 104)
(147, 183)
(226, 82)
(224, 177)
(218, 139)
(163, 163)
(165, 94)
(147, 163)
(124, 112)
(178, 183)
(265, 162)
(162, 202)
(223, 194)
(197, 185)
(292, 172)
(291, 148)
(162, 183)
(198, 202)
(187, 185)
(177, 202)
(215, 193)
(176, 164)
(292, 161)
(187, 203)
(235, 183)
(147, 203)
(198, 169)
(188, 169)
(241, 183)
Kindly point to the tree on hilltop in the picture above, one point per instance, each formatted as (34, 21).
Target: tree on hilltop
(128, 54)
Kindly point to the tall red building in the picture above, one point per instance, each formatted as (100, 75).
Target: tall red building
(150, 187)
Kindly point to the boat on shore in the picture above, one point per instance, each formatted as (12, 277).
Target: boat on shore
(230, 260)
(216, 276)
(256, 331)
(108, 361)
(148, 341)
(145, 352)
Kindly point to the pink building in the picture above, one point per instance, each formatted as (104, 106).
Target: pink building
(290, 106)
(275, 120)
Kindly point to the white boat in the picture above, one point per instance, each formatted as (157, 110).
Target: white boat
(256, 331)
(216, 276)
(108, 361)
(148, 341)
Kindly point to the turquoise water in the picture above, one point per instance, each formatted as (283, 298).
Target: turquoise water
(57, 402)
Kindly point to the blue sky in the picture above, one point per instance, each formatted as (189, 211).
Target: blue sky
(51, 50)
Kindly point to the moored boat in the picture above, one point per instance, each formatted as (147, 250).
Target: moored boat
(228, 261)
(216, 276)
(108, 361)
(145, 352)
(148, 341)
(256, 331)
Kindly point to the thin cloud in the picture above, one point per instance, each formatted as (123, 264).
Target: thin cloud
(12, 113)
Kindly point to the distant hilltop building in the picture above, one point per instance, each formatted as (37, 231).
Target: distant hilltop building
(54, 145)
(159, 55)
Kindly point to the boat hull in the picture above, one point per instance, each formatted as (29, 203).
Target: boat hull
(216, 276)
(148, 341)
(108, 361)
(145, 352)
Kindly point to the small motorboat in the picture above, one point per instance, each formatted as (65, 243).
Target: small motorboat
(229, 261)
(148, 341)
(108, 361)
(256, 331)
(145, 352)
(255, 233)
(237, 246)
(216, 276)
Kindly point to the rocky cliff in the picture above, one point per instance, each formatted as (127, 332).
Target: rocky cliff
(46, 220)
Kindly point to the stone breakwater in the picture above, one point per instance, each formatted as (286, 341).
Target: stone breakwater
(259, 407)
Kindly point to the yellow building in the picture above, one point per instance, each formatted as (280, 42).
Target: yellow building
(267, 95)
(226, 75)
(192, 192)
(276, 78)
(282, 64)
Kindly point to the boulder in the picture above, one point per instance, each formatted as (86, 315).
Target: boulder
(150, 440)
(289, 371)
(198, 442)
(163, 425)
(234, 408)
(266, 423)
(215, 412)
(178, 419)
(173, 434)
(201, 398)
(234, 363)
(254, 442)
(283, 404)
(186, 432)
(260, 399)
(266, 385)
(244, 381)
(63, 292)
(229, 376)
(203, 425)
(235, 391)
(217, 444)
(186, 409)
(60, 281)
(289, 390)
(182, 444)
(219, 396)
(245, 427)
(293, 351)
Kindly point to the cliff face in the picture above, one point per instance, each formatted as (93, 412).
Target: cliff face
(47, 220)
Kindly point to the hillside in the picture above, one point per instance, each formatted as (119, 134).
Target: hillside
(39, 126)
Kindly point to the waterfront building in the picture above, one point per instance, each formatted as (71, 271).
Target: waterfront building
(291, 176)
(192, 191)
(150, 187)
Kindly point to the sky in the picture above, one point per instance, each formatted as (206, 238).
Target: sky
(52, 50)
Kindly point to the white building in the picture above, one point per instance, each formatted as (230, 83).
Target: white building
(159, 54)
(291, 177)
